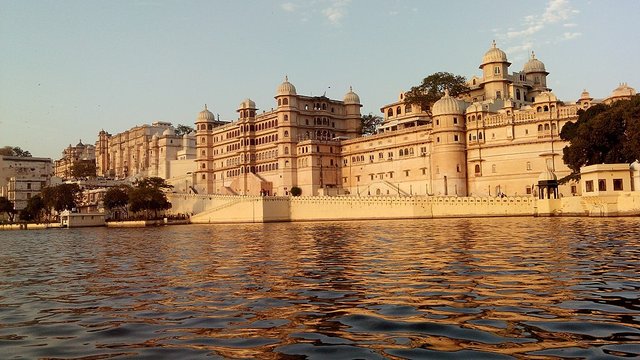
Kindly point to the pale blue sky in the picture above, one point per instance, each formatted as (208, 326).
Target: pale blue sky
(71, 68)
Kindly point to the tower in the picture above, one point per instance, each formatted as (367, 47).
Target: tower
(205, 122)
(352, 110)
(535, 74)
(495, 71)
(449, 143)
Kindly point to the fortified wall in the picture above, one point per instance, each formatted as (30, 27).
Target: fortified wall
(257, 209)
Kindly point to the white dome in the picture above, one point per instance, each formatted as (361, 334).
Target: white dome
(534, 65)
(168, 132)
(286, 88)
(547, 176)
(475, 107)
(623, 90)
(494, 55)
(585, 95)
(247, 104)
(351, 97)
(447, 106)
(205, 115)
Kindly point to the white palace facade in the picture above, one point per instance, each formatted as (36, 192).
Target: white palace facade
(499, 138)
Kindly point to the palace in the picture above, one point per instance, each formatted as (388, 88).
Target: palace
(501, 137)
(73, 155)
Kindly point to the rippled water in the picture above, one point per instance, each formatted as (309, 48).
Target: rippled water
(450, 288)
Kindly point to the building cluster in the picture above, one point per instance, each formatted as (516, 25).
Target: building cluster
(23, 177)
(499, 138)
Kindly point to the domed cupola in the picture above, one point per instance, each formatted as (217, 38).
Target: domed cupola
(205, 115)
(286, 88)
(534, 65)
(623, 90)
(447, 105)
(169, 132)
(494, 55)
(351, 98)
(247, 104)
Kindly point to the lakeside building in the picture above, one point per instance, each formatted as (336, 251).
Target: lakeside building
(499, 138)
(72, 155)
(23, 177)
(145, 151)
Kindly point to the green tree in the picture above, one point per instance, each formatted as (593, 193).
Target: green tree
(61, 197)
(432, 89)
(14, 151)
(116, 198)
(6, 206)
(147, 196)
(83, 168)
(603, 134)
(370, 123)
(33, 210)
(183, 129)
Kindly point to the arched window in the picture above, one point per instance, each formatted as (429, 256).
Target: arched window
(517, 94)
(546, 108)
(286, 133)
(285, 101)
(398, 110)
(407, 108)
(480, 135)
(390, 112)
(540, 127)
(477, 169)
(286, 150)
(286, 118)
(279, 102)
(546, 127)
(539, 109)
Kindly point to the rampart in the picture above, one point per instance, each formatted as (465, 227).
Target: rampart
(240, 209)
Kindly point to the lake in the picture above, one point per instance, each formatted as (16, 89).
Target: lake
(493, 288)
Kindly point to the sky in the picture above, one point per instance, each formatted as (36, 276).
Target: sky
(70, 68)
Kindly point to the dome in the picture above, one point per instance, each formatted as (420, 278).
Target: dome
(623, 90)
(206, 115)
(585, 95)
(286, 88)
(154, 137)
(351, 97)
(447, 106)
(247, 104)
(534, 65)
(494, 55)
(80, 144)
(475, 107)
(547, 176)
(168, 132)
(546, 96)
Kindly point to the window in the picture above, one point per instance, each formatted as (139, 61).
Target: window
(518, 98)
(477, 169)
(458, 168)
(285, 101)
(29, 186)
(406, 173)
(455, 120)
(493, 168)
(588, 186)
(455, 138)
(528, 165)
(496, 70)
(398, 110)
(286, 118)
(602, 185)
(617, 184)
(390, 112)
(438, 139)
(498, 94)
(528, 190)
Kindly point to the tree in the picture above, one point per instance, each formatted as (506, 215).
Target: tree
(296, 191)
(61, 197)
(603, 134)
(6, 206)
(117, 198)
(183, 129)
(370, 123)
(14, 151)
(83, 168)
(33, 210)
(432, 89)
(148, 195)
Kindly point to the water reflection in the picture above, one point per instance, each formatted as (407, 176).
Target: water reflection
(451, 288)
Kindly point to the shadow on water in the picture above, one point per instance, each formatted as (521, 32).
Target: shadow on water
(448, 288)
